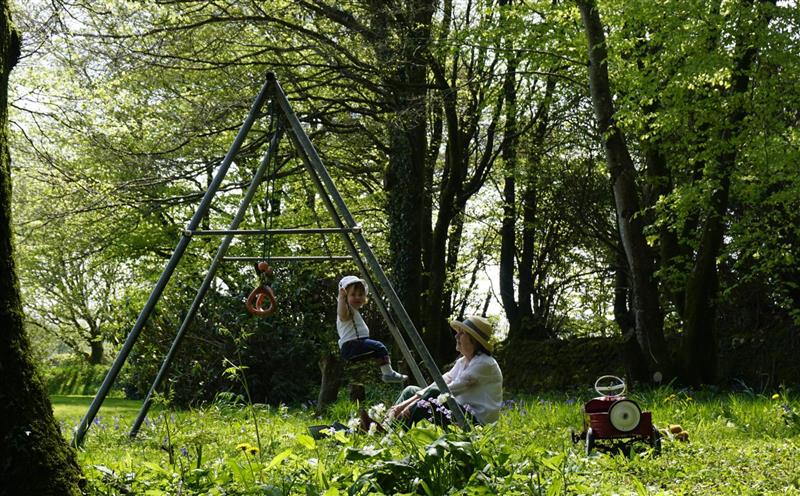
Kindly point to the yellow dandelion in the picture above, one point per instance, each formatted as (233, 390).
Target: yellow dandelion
(253, 450)
(776, 396)
(243, 446)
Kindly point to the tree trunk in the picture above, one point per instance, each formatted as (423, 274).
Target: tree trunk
(407, 133)
(508, 229)
(649, 319)
(96, 351)
(331, 368)
(699, 348)
(508, 243)
(34, 458)
(635, 364)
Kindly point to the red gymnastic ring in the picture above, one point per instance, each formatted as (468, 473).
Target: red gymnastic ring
(256, 300)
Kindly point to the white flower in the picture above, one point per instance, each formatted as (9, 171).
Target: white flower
(373, 428)
(353, 423)
(442, 398)
(377, 411)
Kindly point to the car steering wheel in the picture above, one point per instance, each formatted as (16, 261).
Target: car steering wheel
(610, 385)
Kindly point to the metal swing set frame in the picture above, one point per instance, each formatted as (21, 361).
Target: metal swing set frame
(391, 308)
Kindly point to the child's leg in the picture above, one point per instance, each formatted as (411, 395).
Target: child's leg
(358, 349)
(382, 357)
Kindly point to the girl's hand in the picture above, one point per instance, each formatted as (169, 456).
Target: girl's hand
(342, 293)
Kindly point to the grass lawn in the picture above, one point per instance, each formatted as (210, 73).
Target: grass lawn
(71, 409)
(739, 443)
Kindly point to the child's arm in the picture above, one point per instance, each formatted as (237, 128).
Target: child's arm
(342, 308)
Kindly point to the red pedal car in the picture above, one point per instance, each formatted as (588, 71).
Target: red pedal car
(613, 422)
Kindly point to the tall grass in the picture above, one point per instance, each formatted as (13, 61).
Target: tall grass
(739, 443)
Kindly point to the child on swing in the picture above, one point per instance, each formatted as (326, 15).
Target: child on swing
(354, 341)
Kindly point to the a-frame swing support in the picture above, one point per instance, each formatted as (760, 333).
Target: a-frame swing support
(360, 252)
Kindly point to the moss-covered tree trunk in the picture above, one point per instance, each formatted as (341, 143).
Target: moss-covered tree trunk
(400, 47)
(34, 458)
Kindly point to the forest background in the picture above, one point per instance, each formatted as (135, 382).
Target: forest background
(636, 201)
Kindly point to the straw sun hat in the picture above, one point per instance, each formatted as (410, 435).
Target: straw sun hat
(477, 327)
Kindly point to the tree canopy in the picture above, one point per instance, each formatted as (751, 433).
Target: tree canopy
(585, 168)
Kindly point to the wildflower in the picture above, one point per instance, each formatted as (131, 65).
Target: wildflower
(253, 450)
(373, 428)
(377, 411)
(442, 399)
(508, 405)
(243, 446)
(353, 423)
(776, 396)
(185, 452)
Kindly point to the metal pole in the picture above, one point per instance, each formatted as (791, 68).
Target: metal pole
(210, 274)
(255, 232)
(119, 361)
(307, 258)
(314, 161)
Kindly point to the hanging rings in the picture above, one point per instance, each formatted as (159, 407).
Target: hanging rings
(255, 301)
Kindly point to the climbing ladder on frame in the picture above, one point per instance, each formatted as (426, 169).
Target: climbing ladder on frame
(350, 231)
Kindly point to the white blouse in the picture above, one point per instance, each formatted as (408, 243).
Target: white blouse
(354, 328)
(477, 386)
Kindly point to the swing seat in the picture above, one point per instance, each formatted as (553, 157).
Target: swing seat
(362, 357)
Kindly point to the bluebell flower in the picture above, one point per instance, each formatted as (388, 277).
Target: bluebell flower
(508, 405)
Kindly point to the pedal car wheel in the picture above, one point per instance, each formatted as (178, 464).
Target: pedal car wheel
(624, 415)
(589, 441)
(655, 440)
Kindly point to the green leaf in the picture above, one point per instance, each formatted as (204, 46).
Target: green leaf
(362, 454)
(306, 441)
(279, 458)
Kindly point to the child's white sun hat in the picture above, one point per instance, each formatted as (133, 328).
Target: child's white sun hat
(350, 280)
